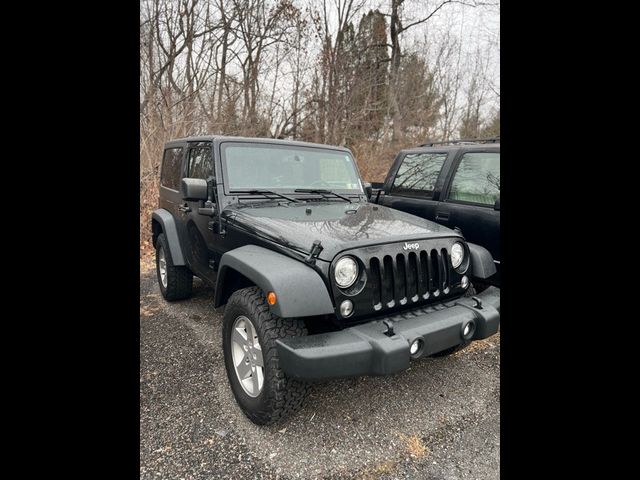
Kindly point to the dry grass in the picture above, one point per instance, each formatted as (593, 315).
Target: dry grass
(414, 446)
(147, 262)
(147, 311)
(148, 203)
(373, 473)
(373, 160)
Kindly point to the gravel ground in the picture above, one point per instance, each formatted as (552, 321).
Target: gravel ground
(440, 419)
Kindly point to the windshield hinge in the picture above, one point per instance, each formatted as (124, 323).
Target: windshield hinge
(316, 248)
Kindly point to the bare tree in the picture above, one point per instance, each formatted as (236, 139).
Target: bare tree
(331, 71)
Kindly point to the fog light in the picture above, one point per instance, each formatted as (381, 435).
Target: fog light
(346, 308)
(468, 330)
(415, 346)
(464, 283)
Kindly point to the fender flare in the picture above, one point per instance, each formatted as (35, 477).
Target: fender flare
(482, 264)
(170, 230)
(300, 290)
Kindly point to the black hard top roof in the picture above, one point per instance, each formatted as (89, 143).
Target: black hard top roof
(223, 138)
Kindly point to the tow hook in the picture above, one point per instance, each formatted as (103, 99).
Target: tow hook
(478, 304)
(389, 324)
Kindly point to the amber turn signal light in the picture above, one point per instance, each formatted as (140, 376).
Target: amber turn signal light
(271, 298)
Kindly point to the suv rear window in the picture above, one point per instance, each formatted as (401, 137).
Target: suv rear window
(477, 179)
(418, 173)
(171, 164)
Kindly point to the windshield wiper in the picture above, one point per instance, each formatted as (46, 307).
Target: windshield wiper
(320, 191)
(265, 193)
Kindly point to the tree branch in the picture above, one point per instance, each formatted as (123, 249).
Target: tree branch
(428, 17)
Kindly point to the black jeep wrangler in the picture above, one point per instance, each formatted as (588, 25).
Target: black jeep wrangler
(317, 282)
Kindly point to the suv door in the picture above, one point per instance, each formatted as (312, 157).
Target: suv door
(415, 184)
(170, 179)
(470, 198)
(199, 239)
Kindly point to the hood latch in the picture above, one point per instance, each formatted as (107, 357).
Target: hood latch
(316, 248)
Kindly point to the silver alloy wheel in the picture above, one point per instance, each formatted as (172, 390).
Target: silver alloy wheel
(162, 267)
(246, 354)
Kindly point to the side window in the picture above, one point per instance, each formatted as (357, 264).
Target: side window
(171, 163)
(477, 179)
(200, 163)
(418, 174)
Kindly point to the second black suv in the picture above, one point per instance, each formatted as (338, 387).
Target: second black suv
(316, 281)
(456, 184)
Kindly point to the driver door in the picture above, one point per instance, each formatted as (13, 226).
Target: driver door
(199, 238)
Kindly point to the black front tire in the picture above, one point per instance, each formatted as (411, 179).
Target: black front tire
(280, 395)
(179, 279)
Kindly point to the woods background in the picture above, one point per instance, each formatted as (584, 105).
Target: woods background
(375, 76)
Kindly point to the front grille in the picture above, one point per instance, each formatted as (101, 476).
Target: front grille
(408, 277)
(395, 279)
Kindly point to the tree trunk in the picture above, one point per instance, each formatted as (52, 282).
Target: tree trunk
(394, 71)
(223, 66)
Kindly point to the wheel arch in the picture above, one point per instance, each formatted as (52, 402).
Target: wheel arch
(482, 264)
(299, 289)
(163, 222)
(229, 281)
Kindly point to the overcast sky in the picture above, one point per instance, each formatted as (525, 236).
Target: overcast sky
(476, 27)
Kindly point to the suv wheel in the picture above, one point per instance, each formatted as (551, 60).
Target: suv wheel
(175, 282)
(263, 391)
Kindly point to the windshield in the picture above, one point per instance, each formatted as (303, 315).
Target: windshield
(251, 166)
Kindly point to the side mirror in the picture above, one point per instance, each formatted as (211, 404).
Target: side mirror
(194, 189)
(496, 206)
(368, 188)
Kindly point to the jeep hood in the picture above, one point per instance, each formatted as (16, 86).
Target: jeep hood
(339, 226)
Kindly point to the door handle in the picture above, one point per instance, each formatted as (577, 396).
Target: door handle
(184, 208)
(443, 216)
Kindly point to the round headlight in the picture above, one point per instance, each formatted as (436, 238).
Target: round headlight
(457, 255)
(346, 272)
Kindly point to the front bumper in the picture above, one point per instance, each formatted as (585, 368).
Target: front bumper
(367, 350)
